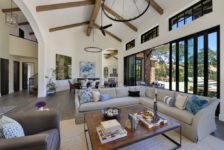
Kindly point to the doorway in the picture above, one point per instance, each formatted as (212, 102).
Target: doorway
(27, 72)
(16, 75)
(4, 73)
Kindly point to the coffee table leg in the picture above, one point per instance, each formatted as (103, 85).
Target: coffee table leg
(173, 141)
(85, 132)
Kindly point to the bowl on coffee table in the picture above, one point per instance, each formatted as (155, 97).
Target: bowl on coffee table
(111, 113)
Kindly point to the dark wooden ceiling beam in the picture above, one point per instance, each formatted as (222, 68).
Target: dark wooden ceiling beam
(68, 26)
(7, 10)
(112, 12)
(23, 23)
(110, 34)
(156, 6)
(31, 33)
(94, 14)
(64, 5)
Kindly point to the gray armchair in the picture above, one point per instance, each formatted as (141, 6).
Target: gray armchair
(42, 130)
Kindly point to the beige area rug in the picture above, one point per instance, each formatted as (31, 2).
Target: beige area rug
(73, 138)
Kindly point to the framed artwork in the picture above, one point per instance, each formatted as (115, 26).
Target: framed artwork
(63, 67)
(87, 69)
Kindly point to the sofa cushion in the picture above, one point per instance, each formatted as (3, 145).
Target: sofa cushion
(150, 92)
(195, 104)
(105, 97)
(147, 102)
(132, 88)
(162, 93)
(10, 128)
(134, 93)
(170, 101)
(110, 91)
(181, 115)
(122, 91)
(141, 89)
(181, 101)
(53, 140)
(116, 102)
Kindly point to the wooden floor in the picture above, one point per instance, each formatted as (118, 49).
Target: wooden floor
(63, 102)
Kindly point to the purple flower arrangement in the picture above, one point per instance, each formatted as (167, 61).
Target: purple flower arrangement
(40, 104)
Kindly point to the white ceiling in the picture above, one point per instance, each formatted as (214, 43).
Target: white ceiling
(60, 17)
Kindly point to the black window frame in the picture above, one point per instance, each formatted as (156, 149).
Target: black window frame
(150, 34)
(194, 37)
(201, 2)
(130, 45)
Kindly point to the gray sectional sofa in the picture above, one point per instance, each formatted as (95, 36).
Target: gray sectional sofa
(194, 127)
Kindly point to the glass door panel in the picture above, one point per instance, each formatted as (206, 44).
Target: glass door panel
(200, 65)
(212, 64)
(190, 78)
(181, 66)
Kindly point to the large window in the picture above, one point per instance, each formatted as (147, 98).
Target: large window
(189, 64)
(188, 15)
(151, 34)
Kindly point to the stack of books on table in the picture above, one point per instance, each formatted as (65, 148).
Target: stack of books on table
(110, 130)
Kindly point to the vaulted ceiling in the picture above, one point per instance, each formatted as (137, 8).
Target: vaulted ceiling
(84, 14)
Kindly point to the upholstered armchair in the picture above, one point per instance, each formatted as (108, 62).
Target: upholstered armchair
(42, 132)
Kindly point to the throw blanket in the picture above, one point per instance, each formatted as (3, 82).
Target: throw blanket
(195, 104)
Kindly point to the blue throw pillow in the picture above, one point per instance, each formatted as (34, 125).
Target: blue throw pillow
(105, 97)
(85, 96)
(195, 104)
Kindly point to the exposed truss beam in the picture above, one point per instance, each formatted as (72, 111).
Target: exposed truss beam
(31, 33)
(110, 34)
(112, 12)
(7, 10)
(64, 5)
(94, 14)
(68, 26)
(23, 23)
(156, 6)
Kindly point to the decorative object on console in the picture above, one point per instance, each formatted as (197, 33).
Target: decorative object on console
(155, 117)
(111, 113)
(63, 67)
(51, 86)
(87, 69)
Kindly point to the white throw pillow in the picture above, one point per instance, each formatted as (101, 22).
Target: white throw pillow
(181, 101)
(96, 96)
(10, 128)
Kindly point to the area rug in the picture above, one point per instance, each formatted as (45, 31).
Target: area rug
(5, 109)
(73, 138)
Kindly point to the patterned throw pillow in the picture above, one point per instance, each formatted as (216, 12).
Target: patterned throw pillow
(85, 96)
(169, 101)
(10, 128)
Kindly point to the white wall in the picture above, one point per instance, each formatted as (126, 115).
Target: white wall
(72, 43)
(210, 20)
(4, 52)
(22, 47)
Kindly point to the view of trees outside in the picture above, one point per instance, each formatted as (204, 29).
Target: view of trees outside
(161, 55)
(174, 60)
(190, 45)
(181, 66)
(200, 69)
(212, 64)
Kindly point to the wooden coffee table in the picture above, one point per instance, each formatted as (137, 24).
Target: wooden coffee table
(93, 119)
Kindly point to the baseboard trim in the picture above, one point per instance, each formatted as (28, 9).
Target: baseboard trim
(221, 117)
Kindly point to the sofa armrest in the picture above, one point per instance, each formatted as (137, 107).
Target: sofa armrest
(204, 121)
(38, 121)
(34, 142)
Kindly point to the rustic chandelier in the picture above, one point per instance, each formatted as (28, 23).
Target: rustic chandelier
(124, 7)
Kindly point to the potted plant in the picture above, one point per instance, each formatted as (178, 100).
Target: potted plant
(51, 86)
